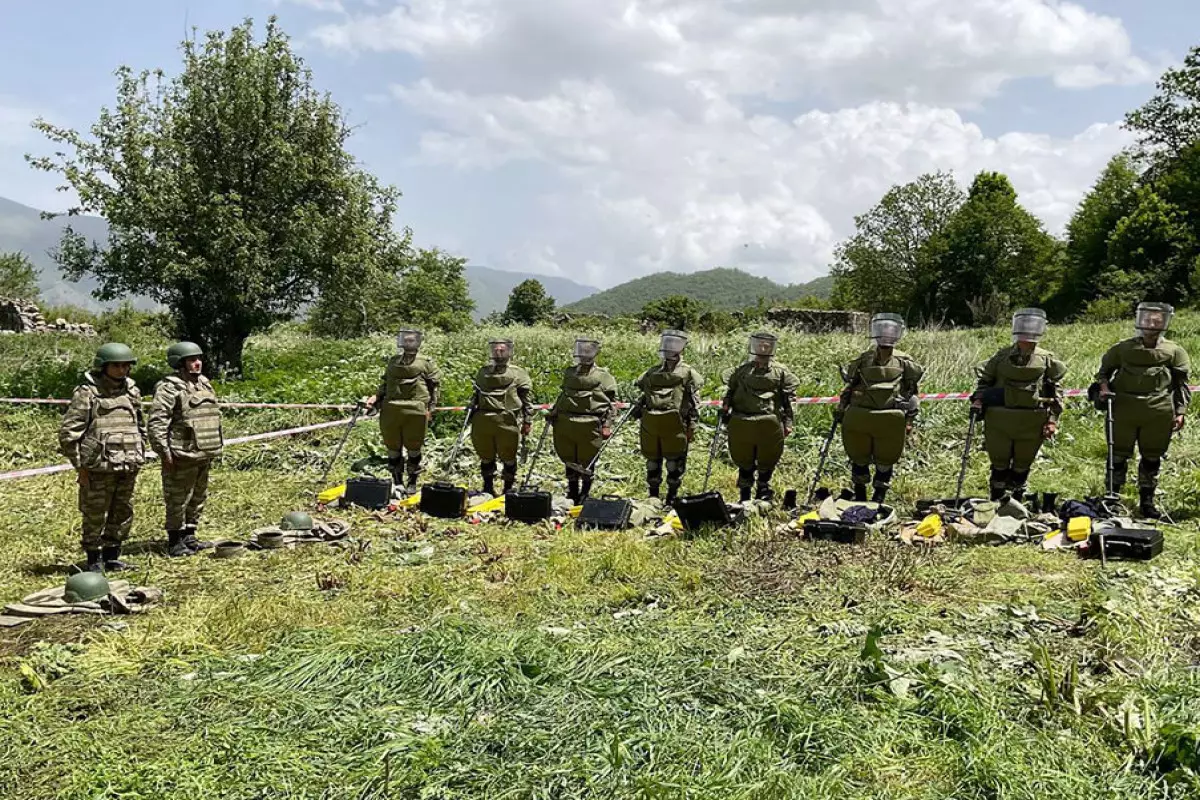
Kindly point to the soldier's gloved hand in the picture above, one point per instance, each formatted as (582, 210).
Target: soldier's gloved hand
(82, 477)
(726, 414)
(787, 430)
(368, 401)
(605, 432)
(977, 408)
(908, 429)
(526, 427)
(1179, 420)
(429, 416)
(690, 433)
(1049, 429)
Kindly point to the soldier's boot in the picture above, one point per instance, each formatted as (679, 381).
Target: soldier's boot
(762, 489)
(1120, 474)
(412, 469)
(192, 543)
(860, 476)
(396, 468)
(585, 489)
(1147, 484)
(572, 486)
(998, 483)
(654, 473)
(508, 475)
(1018, 481)
(487, 470)
(112, 560)
(883, 482)
(94, 562)
(175, 546)
(675, 470)
(745, 484)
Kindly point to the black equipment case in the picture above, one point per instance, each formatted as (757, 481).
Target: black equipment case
(530, 506)
(697, 510)
(368, 492)
(444, 500)
(835, 531)
(1130, 544)
(607, 513)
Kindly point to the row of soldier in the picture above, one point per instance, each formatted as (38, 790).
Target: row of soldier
(1018, 396)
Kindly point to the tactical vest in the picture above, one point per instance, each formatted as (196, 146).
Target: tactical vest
(878, 387)
(497, 390)
(1144, 372)
(583, 394)
(197, 429)
(756, 392)
(113, 440)
(1021, 384)
(405, 383)
(663, 392)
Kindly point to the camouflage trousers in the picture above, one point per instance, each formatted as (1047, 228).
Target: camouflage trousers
(185, 488)
(106, 503)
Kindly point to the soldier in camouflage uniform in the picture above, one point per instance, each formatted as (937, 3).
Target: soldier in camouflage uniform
(668, 409)
(185, 430)
(878, 407)
(1020, 397)
(501, 415)
(758, 409)
(582, 416)
(1147, 378)
(406, 397)
(101, 435)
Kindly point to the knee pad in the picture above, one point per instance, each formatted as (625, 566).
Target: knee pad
(654, 468)
(860, 473)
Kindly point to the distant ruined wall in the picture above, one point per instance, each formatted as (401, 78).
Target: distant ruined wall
(22, 316)
(813, 321)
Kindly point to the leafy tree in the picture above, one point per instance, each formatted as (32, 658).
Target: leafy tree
(434, 292)
(228, 192)
(528, 304)
(991, 255)
(1169, 122)
(1151, 253)
(18, 277)
(882, 267)
(677, 311)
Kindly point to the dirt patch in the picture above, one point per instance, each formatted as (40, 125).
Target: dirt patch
(62, 628)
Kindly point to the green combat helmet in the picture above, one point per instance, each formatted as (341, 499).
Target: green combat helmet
(84, 587)
(178, 352)
(113, 353)
(296, 521)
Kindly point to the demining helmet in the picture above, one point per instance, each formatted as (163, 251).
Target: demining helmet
(1029, 325)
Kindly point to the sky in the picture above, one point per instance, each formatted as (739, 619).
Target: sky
(600, 140)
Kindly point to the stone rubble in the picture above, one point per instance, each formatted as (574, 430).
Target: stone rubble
(22, 316)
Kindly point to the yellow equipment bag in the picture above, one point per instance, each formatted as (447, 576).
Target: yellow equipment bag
(1079, 528)
(331, 494)
(930, 526)
(495, 504)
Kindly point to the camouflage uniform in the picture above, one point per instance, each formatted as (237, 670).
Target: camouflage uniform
(759, 399)
(407, 393)
(101, 432)
(185, 426)
(584, 407)
(501, 407)
(878, 403)
(668, 410)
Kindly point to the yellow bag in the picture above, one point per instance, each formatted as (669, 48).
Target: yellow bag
(930, 526)
(1078, 528)
(331, 494)
(495, 504)
(806, 517)
(410, 501)
(574, 512)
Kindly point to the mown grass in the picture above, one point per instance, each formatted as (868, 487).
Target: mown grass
(446, 660)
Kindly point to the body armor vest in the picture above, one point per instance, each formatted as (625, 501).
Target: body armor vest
(113, 439)
(664, 390)
(405, 383)
(497, 390)
(583, 393)
(197, 427)
(1144, 371)
(756, 391)
(878, 387)
(1021, 384)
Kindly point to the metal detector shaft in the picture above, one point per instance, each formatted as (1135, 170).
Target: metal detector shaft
(537, 451)
(1108, 441)
(812, 490)
(590, 469)
(358, 407)
(462, 435)
(966, 456)
(712, 449)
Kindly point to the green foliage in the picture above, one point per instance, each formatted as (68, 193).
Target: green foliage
(1107, 309)
(228, 192)
(676, 311)
(528, 304)
(884, 266)
(18, 277)
(1169, 122)
(722, 288)
(434, 292)
(1154, 250)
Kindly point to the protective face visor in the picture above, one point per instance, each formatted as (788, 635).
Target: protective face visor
(887, 329)
(671, 345)
(409, 341)
(1153, 317)
(1029, 325)
(762, 345)
(586, 351)
(501, 350)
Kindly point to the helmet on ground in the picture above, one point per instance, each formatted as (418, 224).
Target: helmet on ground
(180, 352)
(671, 344)
(586, 351)
(296, 521)
(84, 587)
(1029, 325)
(887, 329)
(409, 341)
(113, 353)
(1153, 317)
(500, 350)
(762, 344)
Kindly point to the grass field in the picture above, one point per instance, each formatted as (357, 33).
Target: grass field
(441, 660)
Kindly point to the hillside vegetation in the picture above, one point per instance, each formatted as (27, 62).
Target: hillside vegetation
(723, 288)
(448, 660)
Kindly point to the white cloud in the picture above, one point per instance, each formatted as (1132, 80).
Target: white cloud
(684, 131)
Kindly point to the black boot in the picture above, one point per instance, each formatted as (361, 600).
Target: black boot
(860, 492)
(508, 476)
(94, 564)
(487, 470)
(999, 483)
(652, 489)
(882, 484)
(1147, 508)
(192, 543)
(860, 476)
(396, 469)
(676, 467)
(763, 490)
(113, 562)
(654, 475)
(880, 494)
(573, 488)
(745, 484)
(585, 489)
(672, 493)
(413, 469)
(175, 546)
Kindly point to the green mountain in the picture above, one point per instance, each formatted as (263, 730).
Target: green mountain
(723, 288)
(490, 288)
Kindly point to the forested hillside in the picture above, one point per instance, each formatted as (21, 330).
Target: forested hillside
(722, 288)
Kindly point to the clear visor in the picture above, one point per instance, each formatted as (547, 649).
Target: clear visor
(1154, 317)
(586, 350)
(409, 341)
(886, 332)
(1028, 326)
(500, 350)
(671, 346)
(762, 346)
